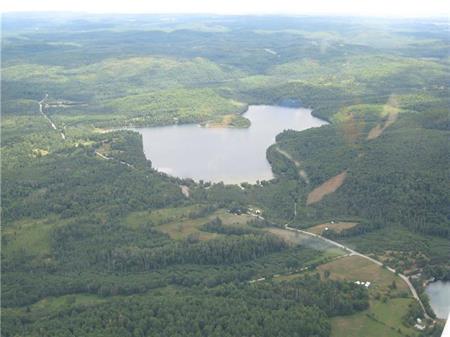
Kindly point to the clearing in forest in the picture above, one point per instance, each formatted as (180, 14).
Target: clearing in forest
(357, 268)
(336, 226)
(328, 187)
(381, 319)
(388, 305)
(182, 228)
(228, 121)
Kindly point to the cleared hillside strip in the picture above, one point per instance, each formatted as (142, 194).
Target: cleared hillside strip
(302, 173)
(378, 129)
(328, 187)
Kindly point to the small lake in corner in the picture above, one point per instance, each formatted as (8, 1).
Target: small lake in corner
(439, 294)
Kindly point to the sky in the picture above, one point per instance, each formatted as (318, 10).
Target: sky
(383, 8)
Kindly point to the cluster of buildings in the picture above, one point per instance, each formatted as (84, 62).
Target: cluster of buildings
(419, 325)
(362, 283)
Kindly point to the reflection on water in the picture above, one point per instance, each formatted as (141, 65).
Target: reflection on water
(439, 294)
(228, 155)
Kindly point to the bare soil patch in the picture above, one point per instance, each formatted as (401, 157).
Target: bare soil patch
(378, 129)
(328, 187)
(185, 190)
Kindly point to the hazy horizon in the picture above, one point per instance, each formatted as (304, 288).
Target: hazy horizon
(382, 8)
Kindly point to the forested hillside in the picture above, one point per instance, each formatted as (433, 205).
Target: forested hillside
(97, 242)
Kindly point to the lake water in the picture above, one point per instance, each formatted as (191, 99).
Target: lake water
(439, 294)
(223, 154)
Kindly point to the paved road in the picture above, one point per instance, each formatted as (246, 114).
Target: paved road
(353, 252)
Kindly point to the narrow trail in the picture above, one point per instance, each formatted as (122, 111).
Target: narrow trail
(353, 252)
(297, 164)
(111, 158)
(52, 124)
(317, 194)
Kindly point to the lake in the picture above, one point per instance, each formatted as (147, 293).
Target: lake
(223, 154)
(439, 294)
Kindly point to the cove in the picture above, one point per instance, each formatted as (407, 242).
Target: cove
(223, 154)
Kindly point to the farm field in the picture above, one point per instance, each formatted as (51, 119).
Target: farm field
(337, 226)
(382, 319)
(385, 314)
(184, 227)
(356, 268)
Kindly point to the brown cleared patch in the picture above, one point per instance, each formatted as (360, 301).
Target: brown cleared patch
(337, 227)
(328, 187)
(377, 130)
(185, 190)
(39, 152)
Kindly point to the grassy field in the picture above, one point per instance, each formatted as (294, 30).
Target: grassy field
(60, 302)
(385, 320)
(228, 121)
(160, 216)
(54, 305)
(356, 268)
(183, 228)
(297, 238)
(29, 237)
(384, 317)
(337, 227)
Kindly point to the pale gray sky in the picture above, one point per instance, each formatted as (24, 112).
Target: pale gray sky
(389, 8)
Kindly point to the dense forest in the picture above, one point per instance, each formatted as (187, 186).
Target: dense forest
(96, 242)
